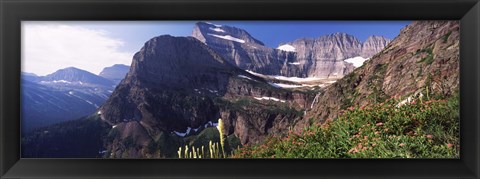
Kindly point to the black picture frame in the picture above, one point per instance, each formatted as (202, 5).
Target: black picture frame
(12, 12)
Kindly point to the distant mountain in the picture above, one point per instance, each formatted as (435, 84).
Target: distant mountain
(115, 73)
(323, 57)
(64, 95)
(30, 76)
(74, 75)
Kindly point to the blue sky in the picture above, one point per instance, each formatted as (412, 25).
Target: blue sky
(271, 33)
(52, 45)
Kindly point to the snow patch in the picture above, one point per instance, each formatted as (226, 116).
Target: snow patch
(269, 98)
(89, 102)
(356, 61)
(217, 29)
(404, 102)
(286, 47)
(61, 81)
(246, 77)
(102, 152)
(410, 99)
(281, 85)
(293, 79)
(196, 129)
(183, 134)
(210, 124)
(56, 81)
(228, 37)
(294, 63)
(216, 25)
(296, 79)
(213, 91)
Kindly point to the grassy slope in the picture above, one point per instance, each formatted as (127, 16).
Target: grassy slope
(427, 129)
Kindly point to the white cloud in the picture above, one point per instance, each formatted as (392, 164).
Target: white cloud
(47, 47)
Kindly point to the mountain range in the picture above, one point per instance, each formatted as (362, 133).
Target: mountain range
(322, 57)
(66, 94)
(178, 87)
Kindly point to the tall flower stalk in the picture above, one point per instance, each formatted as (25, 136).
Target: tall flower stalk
(222, 138)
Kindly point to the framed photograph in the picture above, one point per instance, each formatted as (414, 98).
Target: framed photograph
(239, 89)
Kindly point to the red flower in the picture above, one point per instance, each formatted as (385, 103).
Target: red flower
(362, 108)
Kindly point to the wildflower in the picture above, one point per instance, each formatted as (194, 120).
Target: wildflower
(179, 152)
(222, 139)
(210, 149)
(363, 107)
(353, 150)
(379, 124)
(449, 145)
(429, 136)
(194, 152)
(401, 145)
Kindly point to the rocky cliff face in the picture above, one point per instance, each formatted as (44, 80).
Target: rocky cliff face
(324, 56)
(424, 58)
(178, 85)
(373, 45)
(316, 57)
(238, 47)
